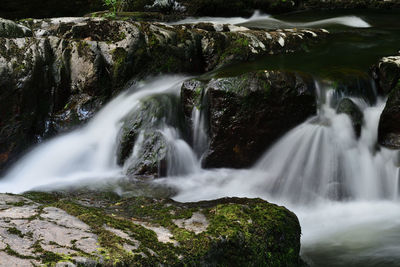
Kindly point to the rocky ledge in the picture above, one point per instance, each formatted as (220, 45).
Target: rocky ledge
(102, 229)
(55, 73)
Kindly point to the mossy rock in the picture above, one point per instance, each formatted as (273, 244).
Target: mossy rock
(142, 231)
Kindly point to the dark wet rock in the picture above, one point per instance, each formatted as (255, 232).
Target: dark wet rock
(389, 124)
(348, 107)
(85, 228)
(142, 147)
(248, 113)
(386, 73)
(58, 78)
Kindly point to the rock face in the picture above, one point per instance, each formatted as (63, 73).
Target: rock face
(348, 107)
(389, 124)
(98, 228)
(59, 77)
(387, 75)
(247, 113)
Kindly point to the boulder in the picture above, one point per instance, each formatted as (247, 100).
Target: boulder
(248, 113)
(59, 77)
(142, 147)
(387, 76)
(98, 228)
(389, 123)
(348, 107)
(386, 73)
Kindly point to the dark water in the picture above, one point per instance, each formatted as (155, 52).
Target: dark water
(347, 52)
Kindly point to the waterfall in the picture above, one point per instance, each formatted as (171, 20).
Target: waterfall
(87, 153)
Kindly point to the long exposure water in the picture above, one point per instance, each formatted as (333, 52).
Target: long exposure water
(344, 189)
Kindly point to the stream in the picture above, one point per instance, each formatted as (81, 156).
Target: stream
(345, 190)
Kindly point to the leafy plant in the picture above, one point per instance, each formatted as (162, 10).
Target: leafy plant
(112, 4)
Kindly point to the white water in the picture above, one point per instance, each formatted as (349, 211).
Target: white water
(87, 153)
(344, 191)
(267, 21)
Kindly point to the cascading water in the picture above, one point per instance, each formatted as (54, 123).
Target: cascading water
(342, 188)
(87, 153)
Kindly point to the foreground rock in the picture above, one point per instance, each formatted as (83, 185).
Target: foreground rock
(90, 229)
(387, 74)
(59, 77)
(247, 113)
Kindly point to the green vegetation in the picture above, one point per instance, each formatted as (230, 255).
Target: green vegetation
(240, 232)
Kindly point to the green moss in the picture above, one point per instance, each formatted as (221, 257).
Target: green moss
(16, 204)
(15, 231)
(119, 57)
(241, 232)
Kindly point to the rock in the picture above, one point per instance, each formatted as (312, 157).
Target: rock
(248, 113)
(348, 107)
(10, 29)
(387, 76)
(389, 123)
(386, 73)
(142, 147)
(57, 79)
(140, 231)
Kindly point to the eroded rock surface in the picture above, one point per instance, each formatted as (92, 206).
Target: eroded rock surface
(58, 229)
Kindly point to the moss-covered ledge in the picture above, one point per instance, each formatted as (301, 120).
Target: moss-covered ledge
(104, 229)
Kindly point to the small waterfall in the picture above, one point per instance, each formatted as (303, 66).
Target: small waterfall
(327, 161)
(87, 153)
(199, 132)
(181, 159)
